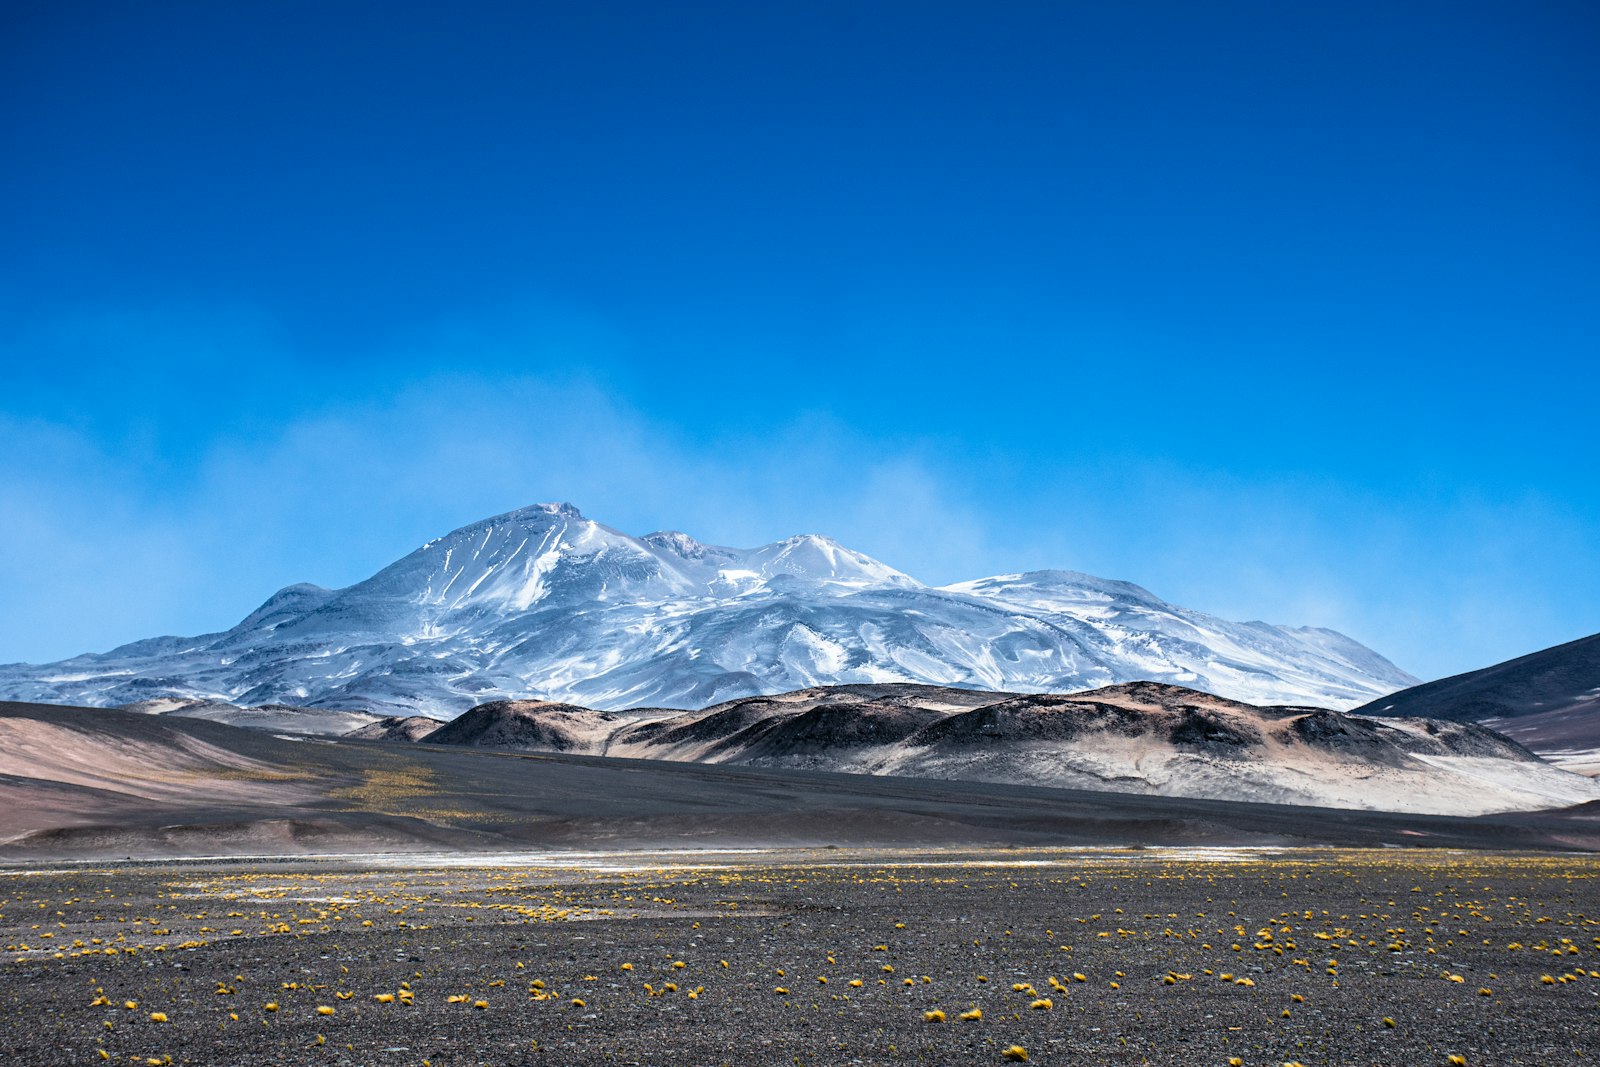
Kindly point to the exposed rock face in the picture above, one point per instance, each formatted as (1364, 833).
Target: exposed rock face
(1140, 737)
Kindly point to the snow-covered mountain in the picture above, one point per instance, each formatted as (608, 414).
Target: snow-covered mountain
(544, 603)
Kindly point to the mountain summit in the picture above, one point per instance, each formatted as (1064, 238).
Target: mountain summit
(545, 603)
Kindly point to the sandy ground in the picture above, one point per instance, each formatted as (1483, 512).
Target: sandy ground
(827, 956)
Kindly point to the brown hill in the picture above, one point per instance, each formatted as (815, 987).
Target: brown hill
(531, 725)
(396, 728)
(1141, 737)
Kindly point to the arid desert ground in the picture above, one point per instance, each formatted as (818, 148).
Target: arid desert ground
(811, 956)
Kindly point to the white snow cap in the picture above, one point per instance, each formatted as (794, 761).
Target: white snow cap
(543, 602)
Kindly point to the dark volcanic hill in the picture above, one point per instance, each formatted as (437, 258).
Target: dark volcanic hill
(1139, 737)
(1547, 700)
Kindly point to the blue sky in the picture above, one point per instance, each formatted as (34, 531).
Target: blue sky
(1283, 311)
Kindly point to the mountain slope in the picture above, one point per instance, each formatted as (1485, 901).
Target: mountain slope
(544, 603)
(1140, 737)
(1548, 700)
(277, 718)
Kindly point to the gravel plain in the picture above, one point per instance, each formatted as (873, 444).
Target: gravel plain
(817, 956)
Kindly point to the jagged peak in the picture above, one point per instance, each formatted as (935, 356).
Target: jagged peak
(676, 542)
(820, 557)
(289, 599)
(532, 515)
(814, 539)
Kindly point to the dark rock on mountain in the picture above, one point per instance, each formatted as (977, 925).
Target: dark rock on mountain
(835, 727)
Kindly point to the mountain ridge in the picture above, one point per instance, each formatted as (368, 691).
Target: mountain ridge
(543, 602)
(1548, 700)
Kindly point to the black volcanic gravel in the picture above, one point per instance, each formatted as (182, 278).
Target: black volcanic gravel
(1359, 936)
